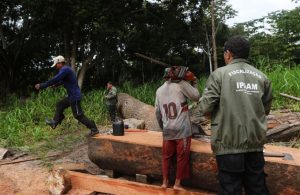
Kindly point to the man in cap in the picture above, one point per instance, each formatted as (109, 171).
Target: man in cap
(66, 76)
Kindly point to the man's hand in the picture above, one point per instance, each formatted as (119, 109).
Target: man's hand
(37, 86)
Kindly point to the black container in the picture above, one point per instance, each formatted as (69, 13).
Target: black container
(118, 128)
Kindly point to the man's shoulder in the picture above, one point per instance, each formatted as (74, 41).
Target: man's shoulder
(67, 68)
(163, 86)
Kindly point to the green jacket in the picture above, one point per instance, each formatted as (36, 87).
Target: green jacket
(239, 97)
(111, 96)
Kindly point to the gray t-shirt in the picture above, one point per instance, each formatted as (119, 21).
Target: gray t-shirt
(171, 108)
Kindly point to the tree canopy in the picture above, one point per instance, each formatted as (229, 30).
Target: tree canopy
(99, 38)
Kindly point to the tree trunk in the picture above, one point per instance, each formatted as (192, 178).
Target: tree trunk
(59, 182)
(209, 53)
(85, 66)
(74, 46)
(129, 107)
(4, 44)
(213, 34)
(282, 126)
(140, 153)
(67, 45)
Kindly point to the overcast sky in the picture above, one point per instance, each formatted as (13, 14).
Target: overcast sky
(253, 9)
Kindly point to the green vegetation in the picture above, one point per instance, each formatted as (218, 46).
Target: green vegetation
(22, 121)
(285, 80)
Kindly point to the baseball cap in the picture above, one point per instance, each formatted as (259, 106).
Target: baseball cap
(57, 59)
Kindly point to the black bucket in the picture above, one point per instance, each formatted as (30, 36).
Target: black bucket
(118, 128)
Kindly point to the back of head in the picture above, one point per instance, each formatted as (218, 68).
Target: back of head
(238, 46)
(175, 73)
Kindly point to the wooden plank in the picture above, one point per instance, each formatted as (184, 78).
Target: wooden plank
(140, 153)
(122, 187)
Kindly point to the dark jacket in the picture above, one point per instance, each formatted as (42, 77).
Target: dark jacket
(239, 97)
(66, 76)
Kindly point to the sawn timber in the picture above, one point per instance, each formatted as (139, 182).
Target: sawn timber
(140, 153)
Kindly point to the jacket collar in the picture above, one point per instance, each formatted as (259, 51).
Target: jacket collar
(238, 60)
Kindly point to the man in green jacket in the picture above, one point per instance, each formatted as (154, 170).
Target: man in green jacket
(238, 97)
(111, 100)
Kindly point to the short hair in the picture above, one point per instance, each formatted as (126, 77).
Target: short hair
(110, 82)
(238, 46)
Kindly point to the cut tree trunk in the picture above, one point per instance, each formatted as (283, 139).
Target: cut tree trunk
(129, 107)
(59, 182)
(213, 34)
(140, 153)
(283, 125)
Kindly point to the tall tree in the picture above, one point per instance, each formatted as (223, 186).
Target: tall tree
(98, 38)
(216, 15)
(213, 34)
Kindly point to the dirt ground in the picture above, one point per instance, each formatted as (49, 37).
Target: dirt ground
(30, 178)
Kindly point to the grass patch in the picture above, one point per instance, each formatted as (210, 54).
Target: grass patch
(285, 80)
(23, 121)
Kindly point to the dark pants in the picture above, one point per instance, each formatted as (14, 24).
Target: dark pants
(77, 113)
(112, 112)
(237, 170)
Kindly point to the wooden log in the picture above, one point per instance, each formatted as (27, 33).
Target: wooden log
(122, 187)
(278, 129)
(59, 182)
(282, 125)
(129, 107)
(140, 153)
(290, 96)
(286, 135)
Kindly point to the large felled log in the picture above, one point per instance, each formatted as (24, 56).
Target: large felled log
(282, 125)
(140, 153)
(129, 107)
